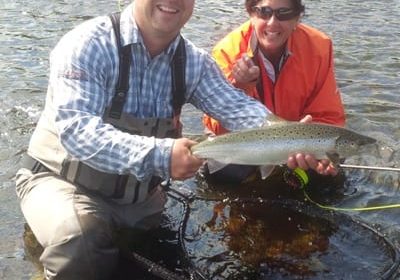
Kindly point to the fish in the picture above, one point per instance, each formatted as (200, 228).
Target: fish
(272, 144)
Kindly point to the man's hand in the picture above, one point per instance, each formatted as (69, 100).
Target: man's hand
(183, 164)
(306, 161)
(245, 71)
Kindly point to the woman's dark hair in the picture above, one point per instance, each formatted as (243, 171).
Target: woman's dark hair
(297, 5)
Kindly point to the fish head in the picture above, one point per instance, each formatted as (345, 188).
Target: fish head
(349, 143)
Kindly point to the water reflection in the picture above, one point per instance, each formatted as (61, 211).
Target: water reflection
(271, 240)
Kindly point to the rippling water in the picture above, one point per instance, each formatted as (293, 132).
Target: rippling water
(366, 41)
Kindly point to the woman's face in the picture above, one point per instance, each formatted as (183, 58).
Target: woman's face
(271, 32)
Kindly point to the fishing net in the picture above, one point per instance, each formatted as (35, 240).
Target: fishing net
(284, 240)
(266, 230)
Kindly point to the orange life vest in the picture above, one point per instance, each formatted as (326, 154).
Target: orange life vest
(306, 83)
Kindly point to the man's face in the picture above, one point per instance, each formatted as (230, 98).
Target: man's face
(163, 17)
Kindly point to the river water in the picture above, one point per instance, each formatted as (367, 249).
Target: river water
(366, 41)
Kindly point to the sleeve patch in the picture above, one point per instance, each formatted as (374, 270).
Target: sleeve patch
(73, 75)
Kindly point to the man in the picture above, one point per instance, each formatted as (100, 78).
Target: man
(105, 139)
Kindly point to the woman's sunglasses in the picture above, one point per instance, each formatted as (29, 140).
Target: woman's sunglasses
(281, 14)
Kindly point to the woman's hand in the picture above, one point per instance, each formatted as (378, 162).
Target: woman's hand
(245, 71)
(308, 161)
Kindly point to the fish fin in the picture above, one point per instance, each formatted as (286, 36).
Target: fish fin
(334, 158)
(272, 119)
(266, 170)
(214, 166)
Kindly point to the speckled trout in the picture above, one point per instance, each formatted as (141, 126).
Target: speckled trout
(272, 145)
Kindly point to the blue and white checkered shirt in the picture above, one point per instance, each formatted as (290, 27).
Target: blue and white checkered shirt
(83, 76)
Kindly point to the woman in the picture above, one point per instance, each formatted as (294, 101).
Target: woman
(285, 64)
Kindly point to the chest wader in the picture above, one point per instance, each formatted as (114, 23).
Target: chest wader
(121, 188)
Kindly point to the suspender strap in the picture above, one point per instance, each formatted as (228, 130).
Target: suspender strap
(125, 56)
(178, 77)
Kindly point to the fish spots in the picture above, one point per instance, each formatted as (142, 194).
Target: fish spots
(271, 145)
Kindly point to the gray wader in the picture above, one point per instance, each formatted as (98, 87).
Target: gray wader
(73, 209)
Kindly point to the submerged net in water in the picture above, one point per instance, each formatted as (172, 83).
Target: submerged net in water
(284, 240)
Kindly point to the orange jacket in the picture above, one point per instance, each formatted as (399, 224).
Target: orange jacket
(306, 83)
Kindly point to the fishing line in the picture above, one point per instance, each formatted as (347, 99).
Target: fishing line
(298, 179)
(333, 208)
(367, 208)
